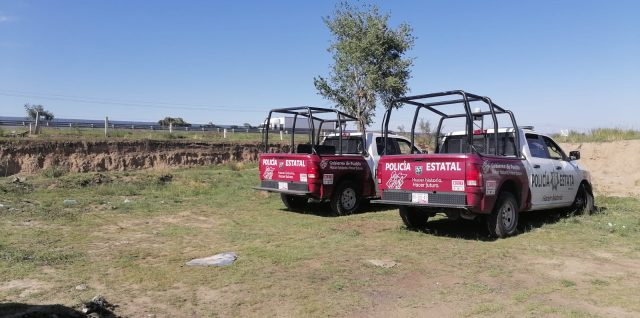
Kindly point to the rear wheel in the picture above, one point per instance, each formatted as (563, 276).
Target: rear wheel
(584, 202)
(345, 199)
(503, 221)
(293, 202)
(413, 217)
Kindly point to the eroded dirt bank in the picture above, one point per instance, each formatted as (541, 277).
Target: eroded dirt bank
(31, 156)
(615, 166)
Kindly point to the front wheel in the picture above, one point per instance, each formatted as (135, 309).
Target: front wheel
(503, 221)
(584, 202)
(293, 202)
(345, 199)
(413, 217)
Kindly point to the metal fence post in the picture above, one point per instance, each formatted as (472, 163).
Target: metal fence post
(106, 126)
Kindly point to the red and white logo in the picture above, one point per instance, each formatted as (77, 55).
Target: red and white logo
(268, 173)
(396, 181)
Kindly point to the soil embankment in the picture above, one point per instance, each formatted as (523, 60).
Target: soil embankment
(614, 166)
(32, 156)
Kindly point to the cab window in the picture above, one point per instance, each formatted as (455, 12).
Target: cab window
(404, 146)
(392, 146)
(555, 152)
(537, 147)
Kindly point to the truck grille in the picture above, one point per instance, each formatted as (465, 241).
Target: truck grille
(447, 198)
(293, 186)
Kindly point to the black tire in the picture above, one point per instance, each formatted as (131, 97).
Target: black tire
(503, 221)
(294, 202)
(413, 217)
(584, 202)
(346, 198)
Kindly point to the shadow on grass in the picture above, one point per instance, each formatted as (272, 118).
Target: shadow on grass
(476, 230)
(17, 310)
(323, 209)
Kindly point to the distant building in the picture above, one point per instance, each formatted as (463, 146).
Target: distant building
(286, 123)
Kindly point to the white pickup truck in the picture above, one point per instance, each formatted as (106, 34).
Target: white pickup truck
(494, 173)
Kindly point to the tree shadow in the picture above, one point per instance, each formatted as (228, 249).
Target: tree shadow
(18, 310)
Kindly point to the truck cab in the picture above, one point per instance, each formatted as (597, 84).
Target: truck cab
(488, 172)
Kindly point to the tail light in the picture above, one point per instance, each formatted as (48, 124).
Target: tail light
(474, 174)
(312, 172)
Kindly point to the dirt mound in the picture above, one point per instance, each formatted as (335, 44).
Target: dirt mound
(84, 156)
(614, 166)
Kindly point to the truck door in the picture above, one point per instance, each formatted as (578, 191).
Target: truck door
(565, 176)
(540, 171)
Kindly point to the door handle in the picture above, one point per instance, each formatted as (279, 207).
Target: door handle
(558, 168)
(536, 166)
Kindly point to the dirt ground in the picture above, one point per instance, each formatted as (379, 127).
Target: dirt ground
(614, 166)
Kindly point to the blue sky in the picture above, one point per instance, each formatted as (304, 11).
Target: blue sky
(556, 64)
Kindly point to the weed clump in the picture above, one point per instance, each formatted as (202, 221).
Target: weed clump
(54, 171)
(235, 166)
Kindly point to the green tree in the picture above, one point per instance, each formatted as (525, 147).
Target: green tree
(368, 61)
(33, 110)
(426, 136)
(177, 122)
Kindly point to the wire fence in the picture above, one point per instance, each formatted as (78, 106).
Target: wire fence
(135, 130)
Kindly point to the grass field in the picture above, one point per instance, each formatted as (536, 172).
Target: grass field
(240, 134)
(129, 235)
(600, 135)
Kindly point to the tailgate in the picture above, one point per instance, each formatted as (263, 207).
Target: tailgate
(285, 172)
(428, 178)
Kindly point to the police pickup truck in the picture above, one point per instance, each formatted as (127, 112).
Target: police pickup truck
(334, 165)
(488, 172)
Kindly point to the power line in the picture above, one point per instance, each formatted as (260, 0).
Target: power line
(130, 103)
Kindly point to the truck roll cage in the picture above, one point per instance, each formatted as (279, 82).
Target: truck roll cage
(310, 113)
(422, 102)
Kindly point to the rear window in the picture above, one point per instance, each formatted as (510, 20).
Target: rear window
(351, 145)
(485, 144)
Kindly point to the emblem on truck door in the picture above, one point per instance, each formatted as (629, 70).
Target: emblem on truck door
(418, 170)
(323, 164)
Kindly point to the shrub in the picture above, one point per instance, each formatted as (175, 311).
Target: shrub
(54, 171)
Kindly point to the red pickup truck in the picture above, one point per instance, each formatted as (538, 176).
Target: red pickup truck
(334, 165)
(480, 171)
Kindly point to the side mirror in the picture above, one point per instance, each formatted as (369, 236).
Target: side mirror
(574, 155)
